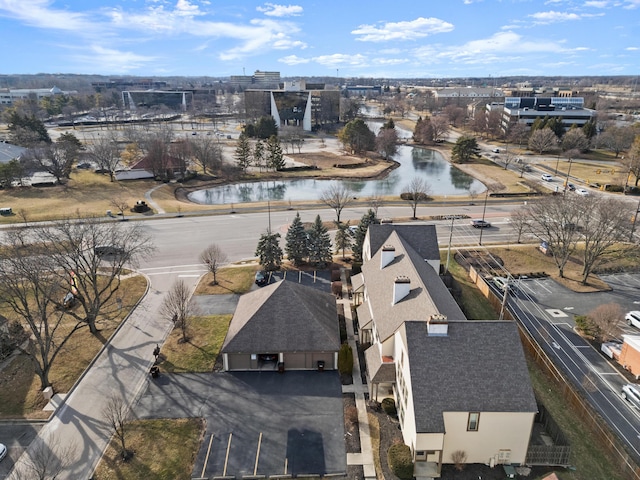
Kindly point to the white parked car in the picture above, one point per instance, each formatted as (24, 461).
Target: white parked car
(631, 393)
(582, 191)
(546, 177)
(3, 451)
(612, 349)
(633, 318)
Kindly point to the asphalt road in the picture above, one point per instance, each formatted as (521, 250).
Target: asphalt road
(546, 310)
(122, 367)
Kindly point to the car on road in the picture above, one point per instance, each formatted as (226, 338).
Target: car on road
(478, 223)
(633, 318)
(631, 393)
(261, 278)
(504, 284)
(496, 150)
(3, 451)
(546, 177)
(571, 187)
(582, 192)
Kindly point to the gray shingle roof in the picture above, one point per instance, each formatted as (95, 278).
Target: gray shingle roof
(478, 367)
(428, 296)
(379, 372)
(284, 317)
(421, 238)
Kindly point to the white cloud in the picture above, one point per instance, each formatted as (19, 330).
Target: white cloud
(554, 17)
(101, 59)
(632, 49)
(499, 48)
(36, 13)
(411, 30)
(274, 10)
(597, 4)
(293, 60)
(183, 7)
(340, 59)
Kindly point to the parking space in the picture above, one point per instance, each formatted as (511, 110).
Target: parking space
(320, 279)
(257, 423)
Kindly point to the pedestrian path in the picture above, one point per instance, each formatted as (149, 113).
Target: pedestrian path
(365, 457)
(151, 202)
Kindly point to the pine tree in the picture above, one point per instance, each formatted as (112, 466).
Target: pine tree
(275, 158)
(368, 218)
(258, 155)
(319, 243)
(296, 241)
(243, 152)
(343, 237)
(269, 252)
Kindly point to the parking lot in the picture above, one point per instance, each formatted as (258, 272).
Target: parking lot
(565, 303)
(257, 423)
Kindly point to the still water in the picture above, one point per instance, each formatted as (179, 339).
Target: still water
(442, 177)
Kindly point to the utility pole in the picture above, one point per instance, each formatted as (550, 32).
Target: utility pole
(484, 211)
(446, 267)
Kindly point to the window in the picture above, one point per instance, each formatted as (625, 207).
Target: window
(474, 420)
(421, 455)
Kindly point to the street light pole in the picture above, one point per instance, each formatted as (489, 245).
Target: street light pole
(566, 183)
(446, 267)
(484, 211)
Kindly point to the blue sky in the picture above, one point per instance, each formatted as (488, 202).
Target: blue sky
(393, 39)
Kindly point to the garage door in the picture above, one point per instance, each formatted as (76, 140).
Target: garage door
(240, 361)
(295, 361)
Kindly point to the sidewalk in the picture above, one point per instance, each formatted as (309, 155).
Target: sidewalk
(365, 458)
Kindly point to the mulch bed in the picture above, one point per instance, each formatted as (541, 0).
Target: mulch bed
(351, 427)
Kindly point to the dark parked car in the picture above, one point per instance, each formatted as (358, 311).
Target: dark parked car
(261, 278)
(104, 250)
(480, 224)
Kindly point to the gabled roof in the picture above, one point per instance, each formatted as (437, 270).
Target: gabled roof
(428, 295)
(422, 238)
(284, 317)
(168, 163)
(478, 367)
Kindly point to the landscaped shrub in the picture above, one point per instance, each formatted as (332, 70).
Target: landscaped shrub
(584, 325)
(345, 359)
(389, 406)
(399, 458)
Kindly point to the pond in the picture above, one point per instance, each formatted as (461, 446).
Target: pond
(442, 177)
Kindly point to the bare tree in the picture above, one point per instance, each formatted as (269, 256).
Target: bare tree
(375, 201)
(632, 160)
(605, 321)
(337, 197)
(459, 458)
(30, 288)
(519, 220)
(116, 417)
(507, 159)
(575, 139)
(604, 223)
(177, 307)
(120, 204)
(213, 257)
(554, 220)
(440, 128)
(91, 254)
(207, 153)
(518, 133)
(542, 140)
(105, 151)
(45, 459)
(416, 192)
(616, 139)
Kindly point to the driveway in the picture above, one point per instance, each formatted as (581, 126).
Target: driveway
(267, 423)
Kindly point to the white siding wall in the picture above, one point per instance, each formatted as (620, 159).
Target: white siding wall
(496, 431)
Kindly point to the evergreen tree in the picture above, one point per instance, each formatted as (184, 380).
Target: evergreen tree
(357, 137)
(266, 127)
(343, 237)
(275, 158)
(296, 241)
(27, 130)
(243, 153)
(258, 155)
(464, 149)
(367, 219)
(269, 252)
(319, 243)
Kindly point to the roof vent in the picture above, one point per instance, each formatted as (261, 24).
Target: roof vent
(401, 288)
(387, 255)
(437, 326)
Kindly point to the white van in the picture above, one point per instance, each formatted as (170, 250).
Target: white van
(631, 393)
(6, 211)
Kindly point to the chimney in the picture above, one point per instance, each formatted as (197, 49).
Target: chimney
(437, 326)
(401, 288)
(387, 255)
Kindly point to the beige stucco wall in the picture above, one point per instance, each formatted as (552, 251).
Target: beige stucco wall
(496, 431)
